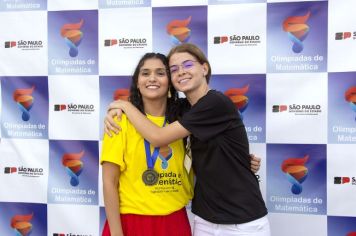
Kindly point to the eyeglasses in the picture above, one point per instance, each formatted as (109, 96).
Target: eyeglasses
(160, 72)
(186, 65)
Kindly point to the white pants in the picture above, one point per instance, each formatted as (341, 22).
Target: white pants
(259, 227)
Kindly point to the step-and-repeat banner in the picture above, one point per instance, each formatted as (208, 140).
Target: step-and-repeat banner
(290, 66)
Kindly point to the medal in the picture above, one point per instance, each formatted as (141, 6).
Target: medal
(150, 177)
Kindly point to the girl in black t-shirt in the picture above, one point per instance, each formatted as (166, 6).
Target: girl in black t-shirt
(227, 199)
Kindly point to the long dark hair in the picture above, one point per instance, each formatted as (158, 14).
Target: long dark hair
(135, 96)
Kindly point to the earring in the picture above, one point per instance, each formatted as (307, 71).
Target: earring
(169, 93)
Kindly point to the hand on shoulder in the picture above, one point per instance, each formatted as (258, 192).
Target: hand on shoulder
(115, 109)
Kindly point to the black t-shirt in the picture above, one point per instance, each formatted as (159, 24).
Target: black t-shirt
(226, 190)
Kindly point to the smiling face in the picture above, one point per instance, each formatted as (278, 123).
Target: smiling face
(186, 71)
(153, 80)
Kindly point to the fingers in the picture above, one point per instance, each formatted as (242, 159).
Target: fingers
(110, 126)
(255, 168)
(255, 163)
(119, 114)
(255, 158)
(107, 131)
(109, 123)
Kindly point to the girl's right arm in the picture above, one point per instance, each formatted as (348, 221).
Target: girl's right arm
(111, 174)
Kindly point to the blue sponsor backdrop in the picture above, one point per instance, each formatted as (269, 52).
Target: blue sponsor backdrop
(298, 34)
(297, 37)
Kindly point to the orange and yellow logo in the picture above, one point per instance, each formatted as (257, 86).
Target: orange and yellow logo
(21, 224)
(238, 97)
(73, 165)
(24, 100)
(72, 36)
(350, 97)
(296, 172)
(297, 30)
(122, 94)
(179, 31)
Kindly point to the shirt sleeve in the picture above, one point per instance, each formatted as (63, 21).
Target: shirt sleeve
(184, 105)
(211, 115)
(113, 148)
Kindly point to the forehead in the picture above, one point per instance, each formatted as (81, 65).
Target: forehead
(152, 63)
(180, 57)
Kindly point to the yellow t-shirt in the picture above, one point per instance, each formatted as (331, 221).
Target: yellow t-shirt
(174, 187)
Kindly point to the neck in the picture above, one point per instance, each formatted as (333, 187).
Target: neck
(194, 95)
(155, 107)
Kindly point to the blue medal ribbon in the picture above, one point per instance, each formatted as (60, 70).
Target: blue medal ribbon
(151, 159)
(165, 160)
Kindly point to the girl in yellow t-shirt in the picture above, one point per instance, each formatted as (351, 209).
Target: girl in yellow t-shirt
(146, 189)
